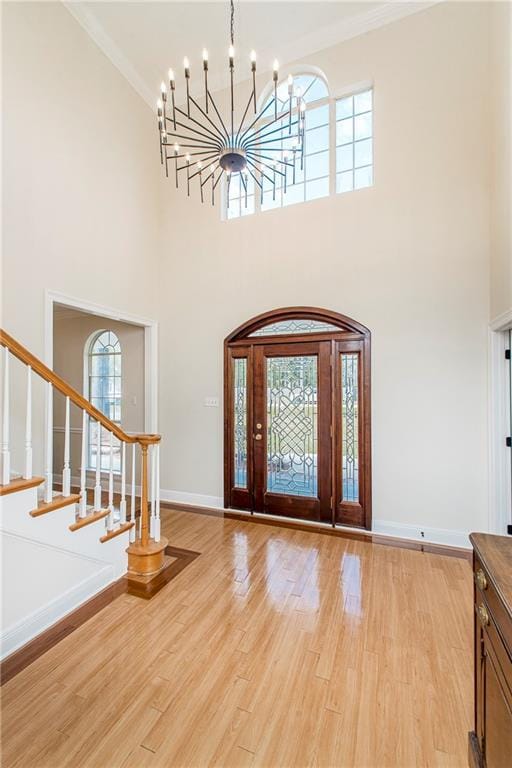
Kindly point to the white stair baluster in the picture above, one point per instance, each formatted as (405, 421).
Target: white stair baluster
(133, 519)
(6, 456)
(110, 516)
(152, 456)
(28, 427)
(97, 485)
(66, 472)
(122, 504)
(156, 534)
(48, 490)
(82, 508)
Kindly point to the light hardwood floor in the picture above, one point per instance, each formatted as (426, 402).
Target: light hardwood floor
(274, 648)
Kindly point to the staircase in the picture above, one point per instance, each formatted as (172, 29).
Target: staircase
(98, 522)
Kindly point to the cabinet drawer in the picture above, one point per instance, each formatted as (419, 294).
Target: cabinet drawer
(485, 593)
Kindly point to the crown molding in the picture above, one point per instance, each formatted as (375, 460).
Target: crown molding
(94, 29)
(313, 41)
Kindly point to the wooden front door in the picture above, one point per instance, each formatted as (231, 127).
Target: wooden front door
(297, 418)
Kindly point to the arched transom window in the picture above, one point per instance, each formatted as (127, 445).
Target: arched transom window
(104, 362)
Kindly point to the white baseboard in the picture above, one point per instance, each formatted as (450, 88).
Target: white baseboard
(450, 538)
(35, 622)
(195, 499)
(425, 533)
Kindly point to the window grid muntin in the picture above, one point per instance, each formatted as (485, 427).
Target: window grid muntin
(108, 402)
(353, 142)
(333, 146)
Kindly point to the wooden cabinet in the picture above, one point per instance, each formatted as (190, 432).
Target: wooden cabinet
(490, 744)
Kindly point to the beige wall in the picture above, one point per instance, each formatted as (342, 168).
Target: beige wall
(501, 158)
(409, 258)
(71, 331)
(81, 185)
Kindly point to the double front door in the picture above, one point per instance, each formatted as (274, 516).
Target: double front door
(296, 440)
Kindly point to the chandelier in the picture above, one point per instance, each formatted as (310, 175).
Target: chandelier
(200, 145)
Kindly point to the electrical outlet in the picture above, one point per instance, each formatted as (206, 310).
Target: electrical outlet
(211, 402)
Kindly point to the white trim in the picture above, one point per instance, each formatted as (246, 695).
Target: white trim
(500, 499)
(30, 626)
(502, 322)
(319, 38)
(88, 21)
(427, 534)
(150, 345)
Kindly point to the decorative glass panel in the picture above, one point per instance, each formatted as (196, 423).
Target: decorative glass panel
(292, 437)
(240, 422)
(350, 426)
(297, 325)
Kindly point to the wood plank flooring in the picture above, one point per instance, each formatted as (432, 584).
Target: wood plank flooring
(274, 648)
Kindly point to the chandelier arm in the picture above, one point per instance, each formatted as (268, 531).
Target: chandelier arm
(255, 179)
(199, 124)
(201, 110)
(263, 136)
(196, 145)
(184, 168)
(219, 177)
(281, 116)
(209, 165)
(211, 158)
(251, 162)
(220, 118)
(243, 118)
(258, 117)
(190, 154)
(209, 136)
(259, 159)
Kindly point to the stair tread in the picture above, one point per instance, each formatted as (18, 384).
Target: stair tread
(20, 484)
(56, 503)
(81, 522)
(116, 532)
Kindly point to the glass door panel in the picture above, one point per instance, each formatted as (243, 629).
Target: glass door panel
(350, 426)
(292, 418)
(292, 425)
(240, 422)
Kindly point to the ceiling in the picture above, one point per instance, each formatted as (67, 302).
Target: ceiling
(144, 39)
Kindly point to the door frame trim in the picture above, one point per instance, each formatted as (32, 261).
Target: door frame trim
(349, 330)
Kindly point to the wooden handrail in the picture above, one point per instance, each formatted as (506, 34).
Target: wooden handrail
(19, 351)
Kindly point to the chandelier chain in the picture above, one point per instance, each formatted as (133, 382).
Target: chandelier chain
(232, 22)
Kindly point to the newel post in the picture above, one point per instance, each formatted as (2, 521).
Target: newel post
(145, 555)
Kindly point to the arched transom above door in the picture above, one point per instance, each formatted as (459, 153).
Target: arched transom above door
(297, 404)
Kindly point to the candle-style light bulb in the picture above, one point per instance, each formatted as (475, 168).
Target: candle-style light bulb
(253, 57)
(176, 149)
(205, 54)
(159, 104)
(290, 84)
(171, 78)
(275, 68)
(186, 65)
(163, 88)
(187, 158)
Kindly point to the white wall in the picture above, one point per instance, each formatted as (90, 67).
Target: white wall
(81, 185)
(501, 158)
(409, 258)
